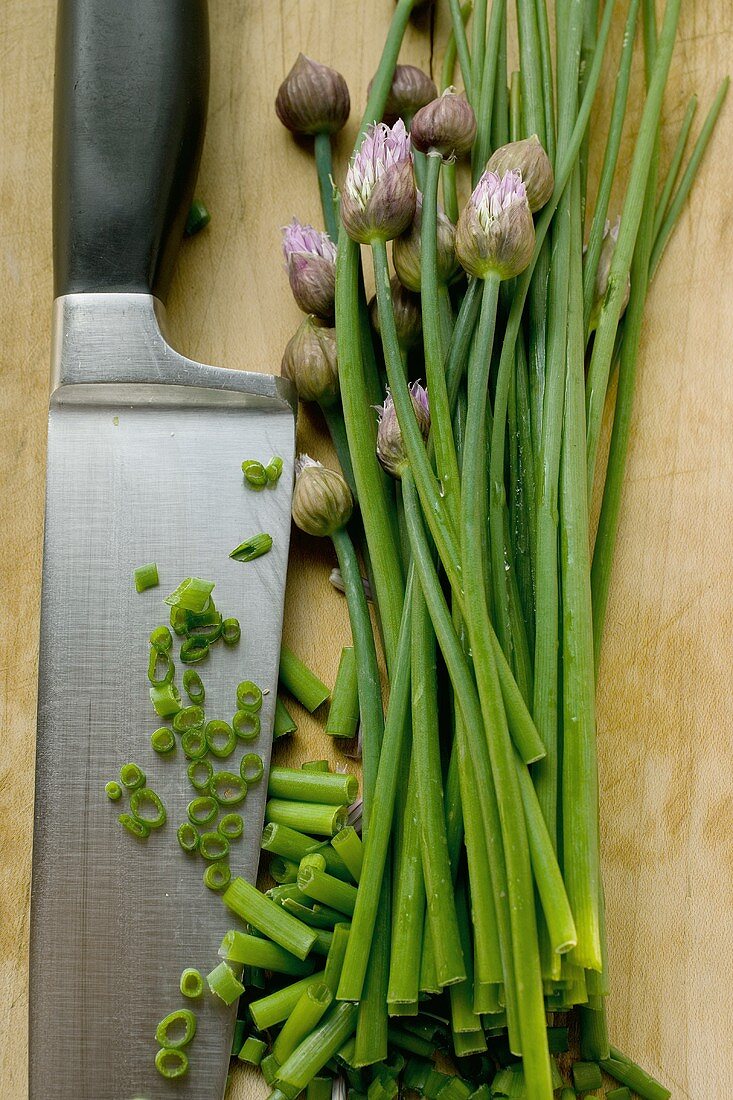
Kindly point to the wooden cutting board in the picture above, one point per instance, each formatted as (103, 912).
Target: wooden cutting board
(666, 716)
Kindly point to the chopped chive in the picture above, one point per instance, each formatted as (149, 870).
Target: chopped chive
(193, 650)
(188, 718)
(217, 876)
(228, 788)
(134, 826)
(251, 768)
(138, 800)
(253, 1050)
(231, 826)
(619, 1094)
(283, 870)
(239, 947)
(315, 766)
(306, 1014)
(113, 790)
(269, 1067)
(191, 983)
(161, 639)
(252, 548)
(274, 469)
(320, 1088)
(240, 1030)
(587, 1076)
(311, 1055)
(294, 784)
(221, 739)
(132, 777)
(198, 218)
(307, 817)
(413, 1044)
(171, 1063)
(193, 686)
(343, 713)
(193, 594)
(568, 1094)
(231, 631)
(249, 697)
(166, 700)
(146, 576)
(246, 725)
(202, 810)
(315, 861)
(188, 836)
(223, 982)
(336, 955)
(634, 1077)
(200, 773)
(284, 722)
(205, 627)
(268, 1011)
(159, 678)
(162, 740)
(302, 684)
(324, 939)
(179, 621)
(168, 1032)
(382, 1087)
(262, 913)
(325, 920)
(327, 889)
(194, 744)
(417, 1071)
(214, 846)
(254, 473)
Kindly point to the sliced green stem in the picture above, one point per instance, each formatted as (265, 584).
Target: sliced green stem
(324, 168)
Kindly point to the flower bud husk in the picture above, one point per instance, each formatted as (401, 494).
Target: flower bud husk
(610, 237)
(378, 196)
(390, 447)
(411, 89)
(313, 98)
(407, 250)
(529, 158)
(310, 362)
(310, 257)
(407, 314)
(322, 501)
(495, 231)
(447, 125)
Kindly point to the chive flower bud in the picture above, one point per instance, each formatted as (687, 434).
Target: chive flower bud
(407, 250)
(322, 501)
(310, 258)
(310, 362)
(390, 448)
(407, 314)
(313, 98)
(529, 158)
(378, 197)
(610, 237)
(446, 126)
(495, 231)
(411, 89)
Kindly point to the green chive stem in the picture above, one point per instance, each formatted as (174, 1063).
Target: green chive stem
(343, 712)
(263, 914)
(302, 684)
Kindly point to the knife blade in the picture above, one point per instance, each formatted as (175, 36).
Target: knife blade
(144, 464)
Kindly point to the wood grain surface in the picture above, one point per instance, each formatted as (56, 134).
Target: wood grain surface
(666, 716)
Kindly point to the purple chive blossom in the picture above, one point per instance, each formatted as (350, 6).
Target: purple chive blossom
(495, 232)
(310, 258)
(390, 449)
(378, 197)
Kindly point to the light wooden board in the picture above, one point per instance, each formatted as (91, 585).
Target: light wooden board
(666, 718)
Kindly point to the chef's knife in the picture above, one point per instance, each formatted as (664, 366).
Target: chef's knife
(144, 464)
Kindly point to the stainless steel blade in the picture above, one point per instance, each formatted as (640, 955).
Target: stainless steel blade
(144, 464)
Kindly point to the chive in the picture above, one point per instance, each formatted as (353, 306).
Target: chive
(283, 893)
(161, 639)
(200, 773)
(324, 920)
(417, 1071)
(254, 473)
(113, 790)
(252, 1050)
(343, 713)
(228, 788)
(586, 1076)
(269, 1067)
(284, 722)
(327, 889)
(317, 766)
(240, 1030)
(628, 1073)
(382, 1087)
(188, 836)
(191, 983)
(166, 701)
(274, 469)
(168, 1032)
(217, 876)
(306, 1014)
(246, 725)
(139, 798)
(162, 740)
(302, 684)
(231, 826)
(316, 1049)
(568, 1094)
(294, 845)
(134, 826)
(194, 650)
(202, 810)
(249, 697)
(239, 947)
(311, 817)
(295, 785)
(193, 686)
(214, 846)
(171, 1063)
(179, 621)
(192, 594)
(188, 718)
(272, 1009)
(132, 777)
(348, 846)
(594, 1043)
(231, 631)
(320, 1088)
(165, 676)
(283, 870)
(251, 548)
(146, 576)
(221, 739)
(262, 913)
(251, 768)
(408, 918)
(619, 1094)
(223, 982)
(198, 218)
(336, 955)
(194, 744)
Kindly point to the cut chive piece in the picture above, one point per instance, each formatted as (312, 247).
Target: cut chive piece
(249, 697)
(269, 1067)
(193, 686)
(619, 1094)
(231, 826)
(188, 718)
(327, 889)
(198, 218)
(283, 871)
(246, 725)
(254, 473)
(251, 768)
(217, 875)
(113, 790)
(240, 1030)
(132, 777)
(179, 621)
(220, 738)
(239, 947)
(343, 714)
(252, 548)
(274, 469)
(200, 774)
(176, 1030)
(134, 826)
(320, 1088)
(228, 789)
(587, 1076)
(224, 983)
(348, 846)
(162, 740)
(324, 920)
(268, 1011)
(146, 576)
(166, 700)
(194, 744)
(336, 955)
(253, 1050)
(311, 1055)
(267, 917)
(191, 983)
(231, 631)
(333, 789)
(171, 1063)
(634, 1077)
(284, 722)
(203, 810)
(315, 766)
(140, 802)
(302, 684)
(307, 817)
(313, 861)
(214, 846)
(161, 669)
(194, 649)
(294, 845)
(193, 594)
(161, 639)
(188, 836)
(311, 1006)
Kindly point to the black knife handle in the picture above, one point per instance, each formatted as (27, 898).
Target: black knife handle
(132, 80)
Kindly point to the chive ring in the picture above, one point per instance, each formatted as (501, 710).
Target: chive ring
(166, 700)
(166, 1033)
(190, 718)
(179, 621)
(194, 744)
(146, 576)
(162, 740)
(254, 473)
(273, 469)
(217, 875)
(220, 738)
(135, 826)
(165, 675)
(193, 686)
(161, 639)
(138, 800)
(132, 776)
(251, 768)
(113, 790)
(191, 983)
(188, 837)
(249, 697)
(202, 810)
(231, 631)
(228, 789)
(231, 826)
(214, 846)
(171, 1063)
(246, 725)
(193, 650)
(200, 773)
